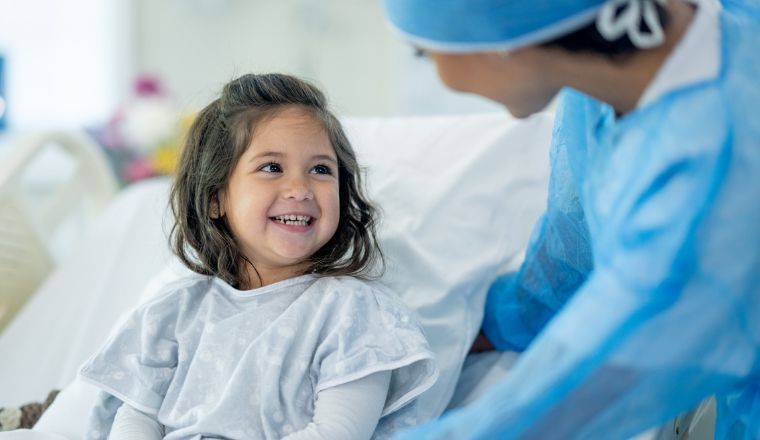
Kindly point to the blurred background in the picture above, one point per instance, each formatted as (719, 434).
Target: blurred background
(96, 95)
(75, 62)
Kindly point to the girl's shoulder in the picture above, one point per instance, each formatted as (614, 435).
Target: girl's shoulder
(188, 288)
(353, 293)
(346, 285)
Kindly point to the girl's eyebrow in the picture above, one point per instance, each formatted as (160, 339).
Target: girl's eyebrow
(265, 154)
(276, 154)
(324, 157)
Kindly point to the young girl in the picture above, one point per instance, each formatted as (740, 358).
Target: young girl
(278, 336)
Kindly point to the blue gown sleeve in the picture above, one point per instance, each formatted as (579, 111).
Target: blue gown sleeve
(670, 313)
(558, 259)
(751, 7)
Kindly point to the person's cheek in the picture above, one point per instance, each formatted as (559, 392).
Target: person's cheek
(449, 72)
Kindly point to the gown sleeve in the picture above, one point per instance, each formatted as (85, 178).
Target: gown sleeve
(135, 366)
(558, 259)
(669, 315)
(367, 330)
(131, 424)
(347, 412)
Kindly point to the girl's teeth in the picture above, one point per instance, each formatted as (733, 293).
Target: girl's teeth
(290, 219)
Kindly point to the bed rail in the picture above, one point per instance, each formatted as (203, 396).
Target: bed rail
(51, 185)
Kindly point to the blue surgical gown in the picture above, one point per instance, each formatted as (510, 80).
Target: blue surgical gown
(640, 293)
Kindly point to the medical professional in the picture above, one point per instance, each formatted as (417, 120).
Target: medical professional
(639, 296)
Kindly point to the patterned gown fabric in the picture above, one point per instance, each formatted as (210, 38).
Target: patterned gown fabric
(213, 361)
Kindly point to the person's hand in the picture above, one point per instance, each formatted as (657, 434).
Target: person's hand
(481, 344)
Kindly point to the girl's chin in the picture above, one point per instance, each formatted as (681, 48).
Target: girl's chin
(294, 259)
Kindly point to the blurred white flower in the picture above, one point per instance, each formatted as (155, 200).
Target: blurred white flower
(148, 122)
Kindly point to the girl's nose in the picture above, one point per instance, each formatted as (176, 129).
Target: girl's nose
(298, 189)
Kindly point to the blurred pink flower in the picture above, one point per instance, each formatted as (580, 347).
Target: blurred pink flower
(137, 169)
(148, 85)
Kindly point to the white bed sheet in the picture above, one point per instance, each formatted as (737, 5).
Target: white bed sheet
(459, 197)
(70, 314)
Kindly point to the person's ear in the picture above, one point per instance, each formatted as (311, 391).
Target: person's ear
(216, 208)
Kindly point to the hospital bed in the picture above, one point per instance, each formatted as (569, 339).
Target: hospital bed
(40, 208)
(459, 195)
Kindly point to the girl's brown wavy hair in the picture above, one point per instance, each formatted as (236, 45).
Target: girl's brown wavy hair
(220, 134)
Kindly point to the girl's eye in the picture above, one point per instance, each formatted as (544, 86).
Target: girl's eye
(322, 169)
(271, 167)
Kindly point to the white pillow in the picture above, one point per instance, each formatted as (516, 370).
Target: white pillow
(459, 196)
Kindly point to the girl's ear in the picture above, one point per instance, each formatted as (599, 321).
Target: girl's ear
(215, 209)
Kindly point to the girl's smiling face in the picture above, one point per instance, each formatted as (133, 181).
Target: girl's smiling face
(282, 201)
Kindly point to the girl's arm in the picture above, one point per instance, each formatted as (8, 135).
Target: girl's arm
(349, 411)
(131, 424)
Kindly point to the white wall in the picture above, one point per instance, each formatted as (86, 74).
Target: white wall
(67, 62)
(344, 46)
(72, 63)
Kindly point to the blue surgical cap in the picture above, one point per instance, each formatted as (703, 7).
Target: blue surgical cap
(484, 25)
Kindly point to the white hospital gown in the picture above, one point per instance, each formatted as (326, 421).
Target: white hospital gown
(211, 361)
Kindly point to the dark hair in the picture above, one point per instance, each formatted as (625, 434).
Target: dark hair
(588, 39)
(218, 137)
